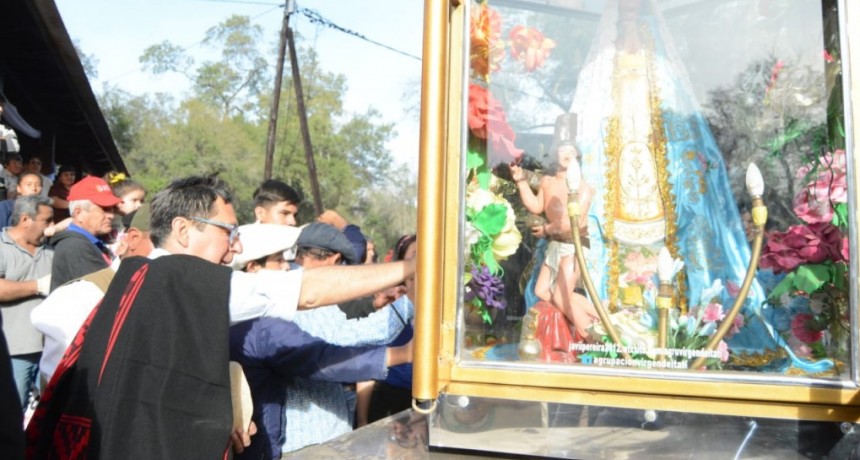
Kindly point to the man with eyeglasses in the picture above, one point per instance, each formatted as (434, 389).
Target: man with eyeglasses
(149, 368)
(78, 250)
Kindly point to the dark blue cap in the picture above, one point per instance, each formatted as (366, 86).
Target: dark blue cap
(324, 236)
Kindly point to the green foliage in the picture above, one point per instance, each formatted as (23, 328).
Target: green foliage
(221, 126)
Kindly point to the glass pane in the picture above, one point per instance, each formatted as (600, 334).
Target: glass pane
(653, 113)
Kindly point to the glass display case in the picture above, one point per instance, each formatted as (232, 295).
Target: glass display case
(640, 204)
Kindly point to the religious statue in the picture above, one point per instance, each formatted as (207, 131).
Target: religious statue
(660, 177)
(559, 274)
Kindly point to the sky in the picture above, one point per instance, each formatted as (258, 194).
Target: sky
(116, 32)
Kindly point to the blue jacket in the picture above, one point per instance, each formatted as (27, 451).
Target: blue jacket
(273, 351)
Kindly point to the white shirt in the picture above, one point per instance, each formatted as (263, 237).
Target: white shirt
(265, 293)
(58, 317)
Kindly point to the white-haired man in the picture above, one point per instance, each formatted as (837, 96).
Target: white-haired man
(78, 251)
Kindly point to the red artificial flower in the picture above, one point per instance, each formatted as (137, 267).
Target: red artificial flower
(800, 327)
(530, 47)
(802, 244)
(486, 48)
(487, 120)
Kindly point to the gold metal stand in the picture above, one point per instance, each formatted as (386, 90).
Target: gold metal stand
(664, 304)
(759, 217)
(573, 211)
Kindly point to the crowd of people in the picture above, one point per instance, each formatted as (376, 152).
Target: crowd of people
(121, 315)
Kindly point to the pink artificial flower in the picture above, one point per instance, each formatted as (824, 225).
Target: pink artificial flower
(814, 202)
(801, 329)
(733, 288)
(487, 120)
(800, 349)
(774, 74)
(827, 56)
(723, 349)
(737, 324)
(530, 47)
(802, 244)
(713, 312)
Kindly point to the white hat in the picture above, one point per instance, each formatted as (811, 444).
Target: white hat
(261, 240)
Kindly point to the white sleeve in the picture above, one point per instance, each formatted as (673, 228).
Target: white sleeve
(265, 293)
(60, 316)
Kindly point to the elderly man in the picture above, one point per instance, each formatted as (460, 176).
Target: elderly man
(150, 369)
(61, 315)
(78, 250)
(25, 271)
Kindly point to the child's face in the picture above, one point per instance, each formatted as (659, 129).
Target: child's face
(131, 201)
(277, 262)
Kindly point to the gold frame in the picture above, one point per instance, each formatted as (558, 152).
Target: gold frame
(436, 368)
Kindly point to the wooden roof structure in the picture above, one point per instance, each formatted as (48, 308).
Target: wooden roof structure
(42, 76)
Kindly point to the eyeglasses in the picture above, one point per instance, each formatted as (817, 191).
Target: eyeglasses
(232, 229)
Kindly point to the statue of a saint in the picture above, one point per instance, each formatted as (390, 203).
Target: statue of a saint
(559, 273)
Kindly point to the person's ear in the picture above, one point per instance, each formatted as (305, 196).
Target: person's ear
(180, 229)
(132, 238)
(259, 213)
(253, 267)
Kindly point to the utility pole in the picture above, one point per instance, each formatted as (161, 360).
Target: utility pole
(276, 96)
(303, 122)
(288, 38)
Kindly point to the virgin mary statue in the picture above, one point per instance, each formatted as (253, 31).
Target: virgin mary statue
(659, 176)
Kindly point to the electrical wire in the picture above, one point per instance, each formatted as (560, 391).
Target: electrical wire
(316, 18)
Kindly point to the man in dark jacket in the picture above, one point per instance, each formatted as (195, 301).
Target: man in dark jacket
(78, 251)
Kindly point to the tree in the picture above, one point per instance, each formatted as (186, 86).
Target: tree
(235, 82)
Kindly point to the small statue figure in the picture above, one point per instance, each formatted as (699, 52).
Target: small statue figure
(559, 274)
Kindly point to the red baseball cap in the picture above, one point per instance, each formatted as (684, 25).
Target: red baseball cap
(94, 189)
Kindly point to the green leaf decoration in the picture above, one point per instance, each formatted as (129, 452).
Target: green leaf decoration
(840, 276)
(784, 286)
(474, 160)
(811, 277)
(840, 215)
(485, 315)
(484, 175)
(792, 131)
(491, 219)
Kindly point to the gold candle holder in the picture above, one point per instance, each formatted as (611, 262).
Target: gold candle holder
(755, 185)
(574, 178)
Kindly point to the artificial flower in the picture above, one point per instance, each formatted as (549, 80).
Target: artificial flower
(713, 313)
(505, 236)
(485, 289)
(803, 244)
(530, 47)
(814, 202)
(737, 324)
(486, 48)
(487, 120)
(723, 349)
(800, 328)
(708, 329)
